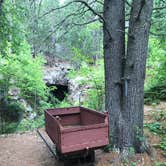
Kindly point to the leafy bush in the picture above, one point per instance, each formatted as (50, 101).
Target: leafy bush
(155, 86)
(27, 124)
(10, 127)
(18, 69)
(12, 110)
(24, 72)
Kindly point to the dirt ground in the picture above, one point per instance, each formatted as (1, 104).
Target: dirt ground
(28, 149)
(24, 150)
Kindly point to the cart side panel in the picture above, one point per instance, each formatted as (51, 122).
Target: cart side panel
(79, 140)
(64, 111)
(52, 128)
(89, 117)
(70, 119)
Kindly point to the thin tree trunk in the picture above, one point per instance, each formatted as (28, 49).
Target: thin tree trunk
(1, 96)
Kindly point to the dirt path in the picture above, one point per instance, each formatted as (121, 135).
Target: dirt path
(28, 149)
(24, 150)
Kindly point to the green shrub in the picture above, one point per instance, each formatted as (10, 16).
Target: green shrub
(10, 127)
(160, 164)
(20, 70)
(14, 111)
(155, 85)
(27, 124)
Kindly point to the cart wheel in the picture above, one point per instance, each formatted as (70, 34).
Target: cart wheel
(91, 156)
(66, 163)
(59, 155)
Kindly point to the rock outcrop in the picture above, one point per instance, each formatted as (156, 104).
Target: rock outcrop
(58, 75)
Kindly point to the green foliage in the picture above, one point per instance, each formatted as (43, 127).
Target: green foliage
(156, 128)
(18, 69)
(11, 110)
(24, 125)
(131, 151)
(78, 57)
(160, 164)
(27, 124)
(10, 127)
(163, 144)
(22, 71)
(160, 116)
(126, 162)
(88, 42)
(133, 164)
(155, 87)
(158, 27)
(11, 27)
(159, 128)
(93, 77)
(139, 135)
(64, 103)
(109, 147)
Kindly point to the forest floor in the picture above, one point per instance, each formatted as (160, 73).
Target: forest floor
(28, 149)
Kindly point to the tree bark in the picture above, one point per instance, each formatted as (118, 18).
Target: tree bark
(124, 75)
(134, 73)
(114, 51)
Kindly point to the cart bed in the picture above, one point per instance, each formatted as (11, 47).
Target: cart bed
(77, 128)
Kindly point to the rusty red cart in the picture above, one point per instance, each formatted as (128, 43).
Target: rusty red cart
(77, 131)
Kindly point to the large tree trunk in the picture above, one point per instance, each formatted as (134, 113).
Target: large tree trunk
(114, 51)
(124, 75)
(137, 47)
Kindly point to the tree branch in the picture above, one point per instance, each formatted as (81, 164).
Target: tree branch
(52, 10)
(90, 8)
(101, 18)
(100, 2)
(159, 8)
(86, 23)
(69, 3)
(142, 3)
(40, 3)
(58, 25)
(128, 3)
(158, 34)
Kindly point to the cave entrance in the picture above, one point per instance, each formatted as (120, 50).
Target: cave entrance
(58, 91)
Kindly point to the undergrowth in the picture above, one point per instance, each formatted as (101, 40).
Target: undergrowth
(159, 128)
(24, 125)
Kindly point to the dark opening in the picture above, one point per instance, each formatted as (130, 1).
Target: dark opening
(58, 91)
